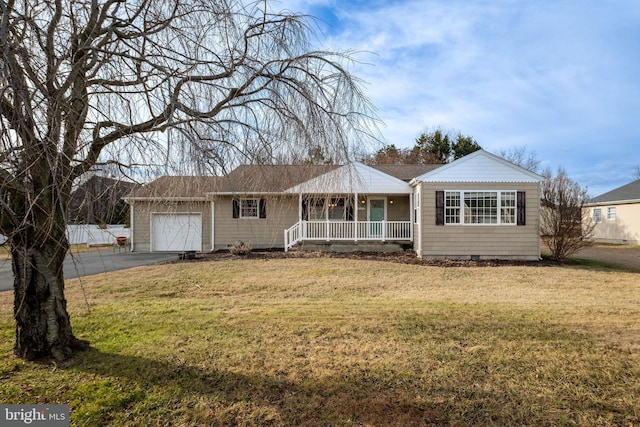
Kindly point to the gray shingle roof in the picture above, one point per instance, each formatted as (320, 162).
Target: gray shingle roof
(243, 179)
(629, 191)
(406, 172)
(270, 178)
(177, 186)
(257, 179)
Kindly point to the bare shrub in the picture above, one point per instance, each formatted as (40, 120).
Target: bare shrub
(565, 225)
(240, 248)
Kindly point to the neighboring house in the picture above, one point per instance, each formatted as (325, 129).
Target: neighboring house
(616, 215)
(477, 207)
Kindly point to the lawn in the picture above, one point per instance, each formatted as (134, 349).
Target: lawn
(341, 342)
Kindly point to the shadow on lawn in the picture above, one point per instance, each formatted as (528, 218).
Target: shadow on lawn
(360, 398)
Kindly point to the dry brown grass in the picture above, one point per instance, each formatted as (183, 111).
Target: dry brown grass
(344, 342)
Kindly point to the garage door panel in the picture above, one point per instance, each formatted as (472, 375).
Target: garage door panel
(176, 232)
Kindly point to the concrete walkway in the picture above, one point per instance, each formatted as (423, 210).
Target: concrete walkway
(94, 262)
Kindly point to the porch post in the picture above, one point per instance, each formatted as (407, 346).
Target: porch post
(356, 202)
(303, 228)
(411, 213)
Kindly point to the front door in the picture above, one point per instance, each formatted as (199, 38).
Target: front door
(377, 215)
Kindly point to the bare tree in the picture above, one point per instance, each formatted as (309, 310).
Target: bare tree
(89, 82)
(566, 225)
(392, 155)
(522, 157)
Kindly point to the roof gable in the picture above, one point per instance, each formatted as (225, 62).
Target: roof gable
(627, 192)
(480, 166)
(353, 178)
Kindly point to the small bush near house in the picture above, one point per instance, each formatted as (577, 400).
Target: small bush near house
(240, 248)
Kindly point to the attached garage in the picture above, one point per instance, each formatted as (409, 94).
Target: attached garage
(176, 232)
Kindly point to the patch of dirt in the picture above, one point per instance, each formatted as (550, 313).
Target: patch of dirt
(627, 257)
(407, 257)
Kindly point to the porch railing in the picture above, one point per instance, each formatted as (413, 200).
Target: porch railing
(347, 231)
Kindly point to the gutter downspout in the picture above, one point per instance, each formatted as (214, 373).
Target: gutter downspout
(131, 227)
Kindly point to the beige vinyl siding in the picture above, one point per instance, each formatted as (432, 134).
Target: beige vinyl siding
(260, 233)
(399, 210)
(142, 220)
(482, 241)
(625, 228)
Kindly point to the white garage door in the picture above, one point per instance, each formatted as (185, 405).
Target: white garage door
(176, 232)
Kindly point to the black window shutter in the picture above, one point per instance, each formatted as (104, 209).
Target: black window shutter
(263, 208)
(439, 207)
(521, 220)
(236, 208)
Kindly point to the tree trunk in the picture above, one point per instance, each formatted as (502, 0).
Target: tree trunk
(43, 328)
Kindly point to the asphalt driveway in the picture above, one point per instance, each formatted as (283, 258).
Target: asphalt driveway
(94, 262)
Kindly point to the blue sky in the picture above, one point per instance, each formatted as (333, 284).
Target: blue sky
(561, 77)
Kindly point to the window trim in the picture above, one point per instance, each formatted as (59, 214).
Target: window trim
(458, 212)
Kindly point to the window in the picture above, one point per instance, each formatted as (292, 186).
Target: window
(335, 209)
(416, 208)
(249, 208)
(332, 209)
(315, 209)
(597, 215)
(611, 214)
(452, 208)
(508, 207)
(482, 207)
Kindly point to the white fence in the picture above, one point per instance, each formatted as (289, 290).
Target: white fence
(93, 235)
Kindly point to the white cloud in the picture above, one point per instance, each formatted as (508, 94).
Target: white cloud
(558, 76)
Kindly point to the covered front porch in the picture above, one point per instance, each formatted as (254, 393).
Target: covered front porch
(353, 203)
(352, 218)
